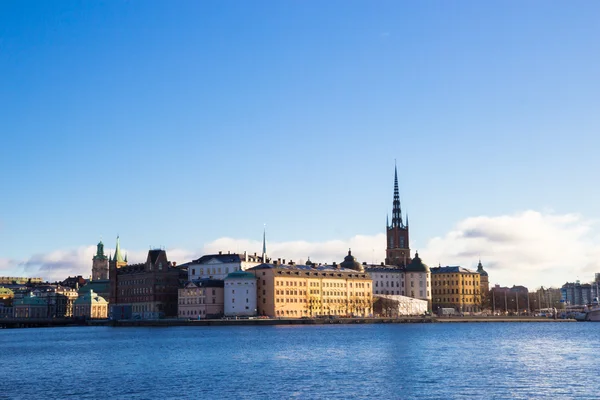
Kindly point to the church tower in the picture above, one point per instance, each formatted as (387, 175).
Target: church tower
(398, 250)
(100, 264)
(115, 262)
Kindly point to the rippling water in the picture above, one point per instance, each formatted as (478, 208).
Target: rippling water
(410, 361)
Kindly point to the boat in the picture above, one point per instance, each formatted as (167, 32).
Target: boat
(591, 313)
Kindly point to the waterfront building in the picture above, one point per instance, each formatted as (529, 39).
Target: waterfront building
(6, 311)
(218, 266)
(387, 279)
(397, 233)
(290, 290)
(30, 306)
(240, 294)
(19, 280)
(90, 306)
(59, 299)
(393, 306)
(201, 298)
(418, 280)
(100, 264)
(456, 287)
(100, 287)
(150, 289)
(577, 294)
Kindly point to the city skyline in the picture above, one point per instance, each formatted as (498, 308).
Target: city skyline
(190, 127)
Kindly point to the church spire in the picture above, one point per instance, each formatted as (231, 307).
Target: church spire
(396, 212)
(264, 252)
(118, 257)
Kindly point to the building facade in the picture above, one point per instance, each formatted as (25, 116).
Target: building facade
(456, 287)
(418, 280)
(240, 294)
(59, 299)
(218, 266)
(296, 291)
(30, 306)
(149, 288)
(200, 299)
(90, 306)
(387, 280)
(398, 247)
(577, 293)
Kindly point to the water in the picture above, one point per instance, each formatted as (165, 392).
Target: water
(410, 361)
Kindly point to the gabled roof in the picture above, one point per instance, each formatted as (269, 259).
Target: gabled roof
(223, 258)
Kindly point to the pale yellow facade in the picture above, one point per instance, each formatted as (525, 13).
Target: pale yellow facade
(302, 291)
(456, 287)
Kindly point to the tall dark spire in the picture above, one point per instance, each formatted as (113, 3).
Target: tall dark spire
(396, 212)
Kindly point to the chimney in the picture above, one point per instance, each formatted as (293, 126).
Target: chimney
(283, 261)
(220, 252)
(174, 263)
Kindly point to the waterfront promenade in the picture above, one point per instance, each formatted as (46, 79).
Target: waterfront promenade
(40, 323)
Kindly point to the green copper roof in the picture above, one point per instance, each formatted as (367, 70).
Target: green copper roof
(89, 298)
(240, 275)
(30, 300)
(100, 252)
(118, 257)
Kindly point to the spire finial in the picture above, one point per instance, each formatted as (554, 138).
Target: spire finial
(396, 211)
(264, 252)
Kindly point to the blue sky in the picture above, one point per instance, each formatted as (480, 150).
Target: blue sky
(177, 124)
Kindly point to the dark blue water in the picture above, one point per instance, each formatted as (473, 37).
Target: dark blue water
(412, 361)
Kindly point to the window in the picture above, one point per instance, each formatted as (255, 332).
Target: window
(193, 271)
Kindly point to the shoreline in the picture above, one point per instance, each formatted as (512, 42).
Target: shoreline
(41, 323)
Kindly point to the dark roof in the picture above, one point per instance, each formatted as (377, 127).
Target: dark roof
(224, 258)
(383, 268)
(207, 282)
(451, 270)
(416, 265)
(307, 268)
(154, 254)
(351, 263)
(480, 269)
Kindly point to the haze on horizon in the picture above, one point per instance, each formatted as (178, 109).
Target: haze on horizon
(191, 125)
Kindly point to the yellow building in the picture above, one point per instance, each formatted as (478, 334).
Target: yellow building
(456, 287)
(295, 291)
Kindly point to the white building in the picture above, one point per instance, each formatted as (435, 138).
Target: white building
(417, 280)
(218, 266)
(395, 306)
(387, 279)
(240, 294)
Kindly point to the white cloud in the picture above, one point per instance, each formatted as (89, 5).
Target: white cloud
(529, 248)
(364, 248)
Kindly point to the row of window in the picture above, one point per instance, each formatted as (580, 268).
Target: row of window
(195, 300)
(213, 270)
(455, 291)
